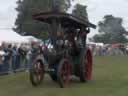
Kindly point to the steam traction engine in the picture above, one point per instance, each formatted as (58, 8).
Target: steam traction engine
(66, 53)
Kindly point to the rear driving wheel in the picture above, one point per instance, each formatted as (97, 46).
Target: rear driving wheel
(86, 66)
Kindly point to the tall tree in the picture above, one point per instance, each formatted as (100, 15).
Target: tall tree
(80, 11)
(24, 23)
(61, 5)
(111, 30)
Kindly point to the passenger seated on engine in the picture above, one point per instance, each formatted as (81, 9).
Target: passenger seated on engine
(71, 34)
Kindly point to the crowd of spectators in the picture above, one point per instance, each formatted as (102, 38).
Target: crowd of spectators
(14, 58)
(109, 49)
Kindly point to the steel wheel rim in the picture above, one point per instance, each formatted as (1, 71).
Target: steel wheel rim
(87, 67)
(65, 73)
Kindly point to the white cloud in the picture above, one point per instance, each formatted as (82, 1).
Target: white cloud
(96, 10)
(7, 13)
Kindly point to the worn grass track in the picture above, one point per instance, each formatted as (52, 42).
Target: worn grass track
(110, 78)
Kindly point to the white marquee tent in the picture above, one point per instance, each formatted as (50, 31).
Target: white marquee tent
(31, 39)
(10, 36)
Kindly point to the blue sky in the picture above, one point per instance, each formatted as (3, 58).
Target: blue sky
(96, 10)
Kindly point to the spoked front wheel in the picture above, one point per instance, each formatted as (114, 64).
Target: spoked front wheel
(63, 73)
(37, 73)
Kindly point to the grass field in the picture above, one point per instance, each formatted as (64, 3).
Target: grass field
(110, 78)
